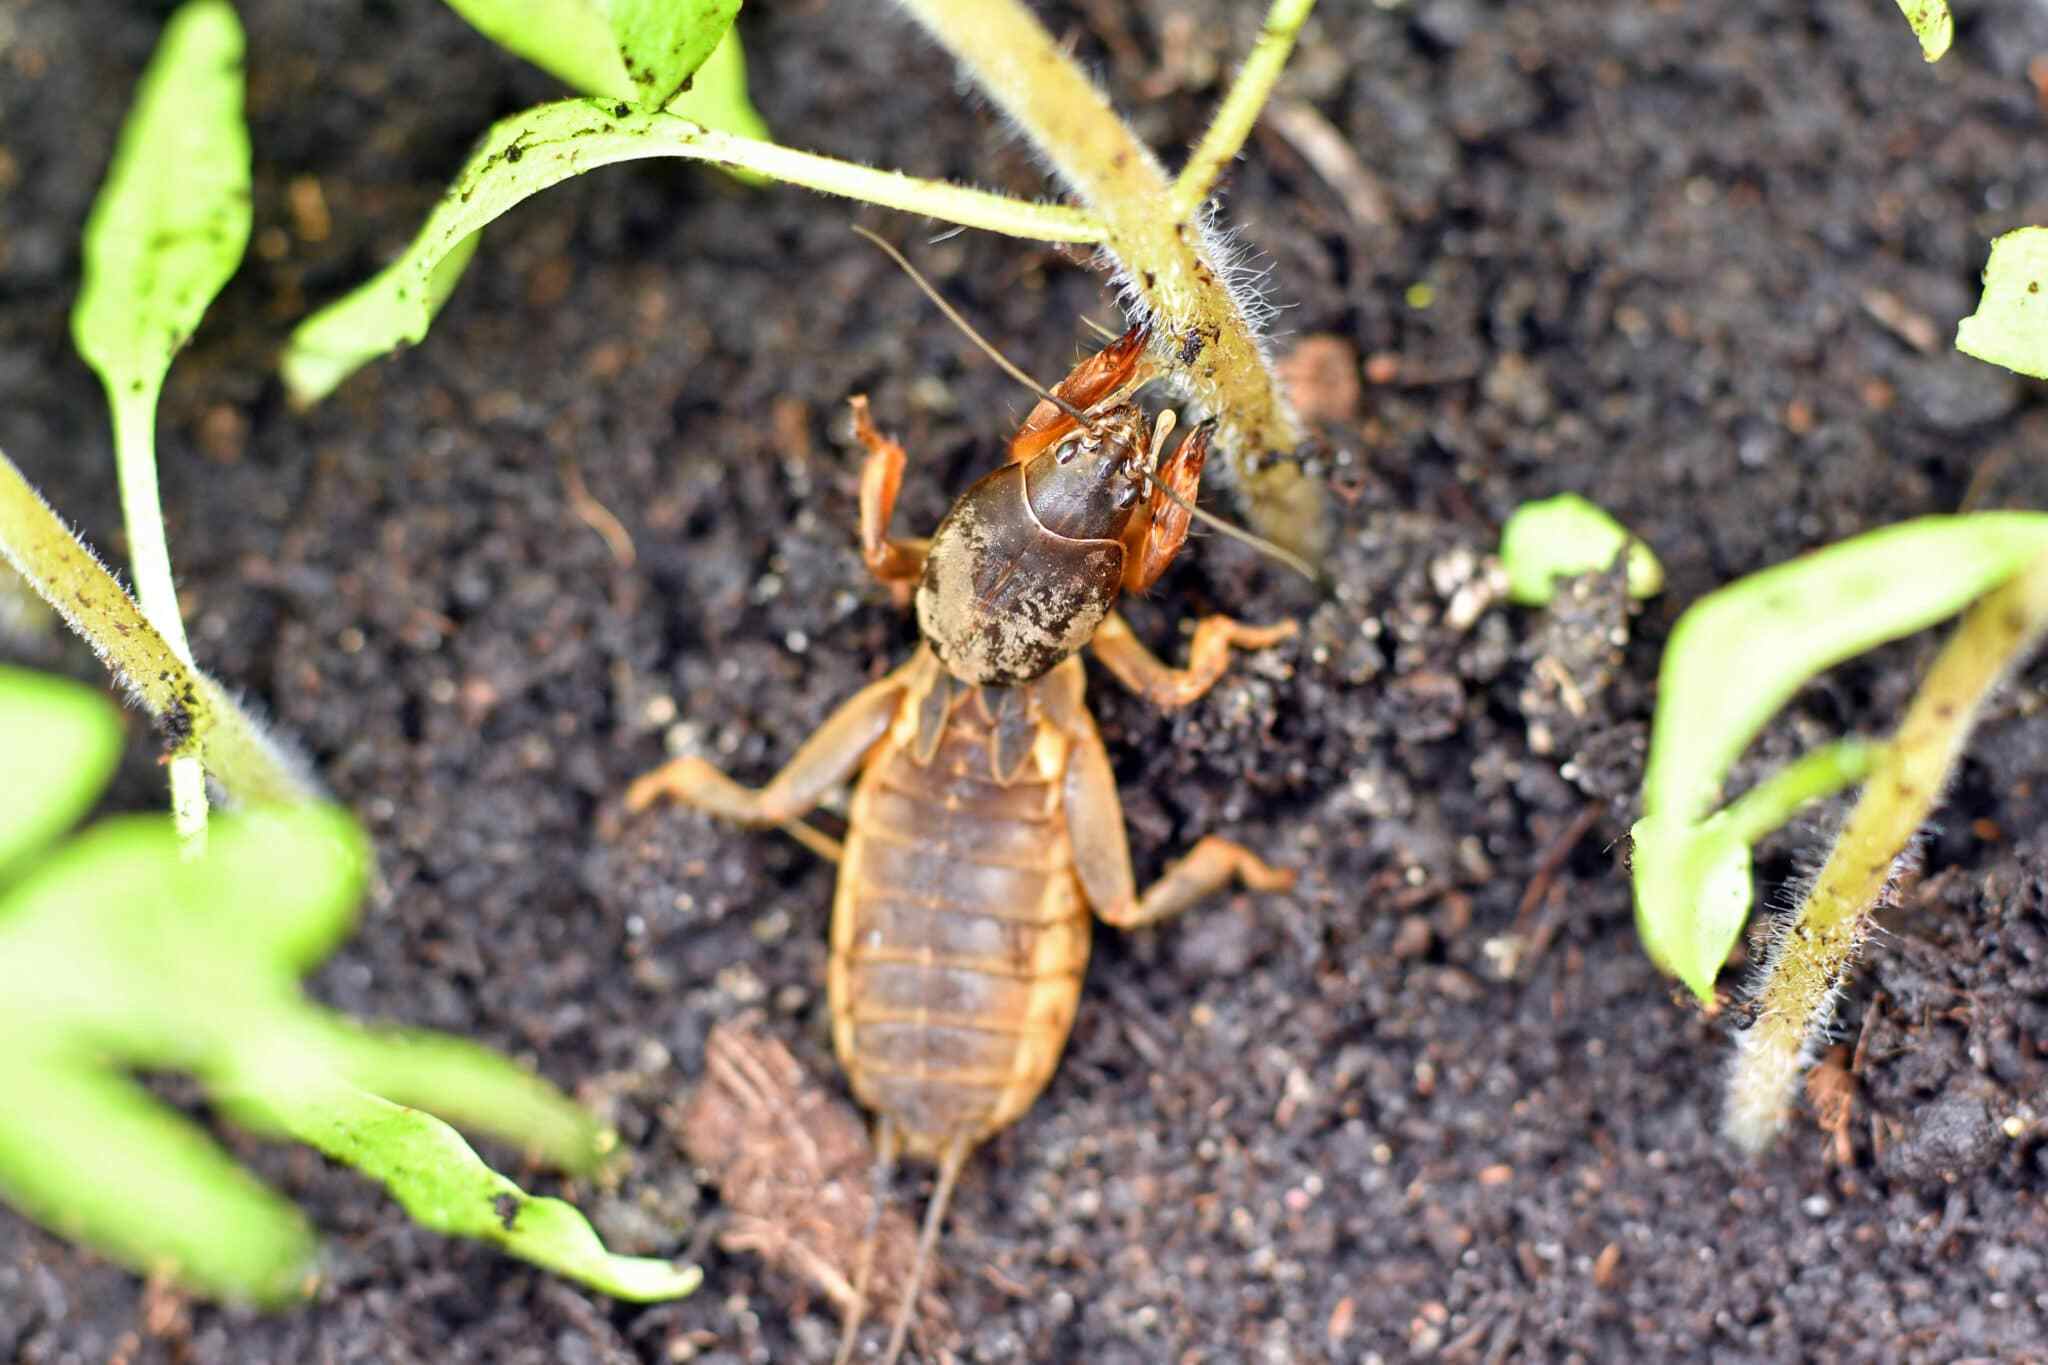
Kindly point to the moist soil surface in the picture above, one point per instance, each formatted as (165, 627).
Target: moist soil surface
(1699, 263)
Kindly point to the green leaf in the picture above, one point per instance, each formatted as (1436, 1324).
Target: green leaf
(119, 952)
(1563, 537)
(522, 155)
(96, 1158)
(2010, 326)
(1692, 881)
(432, 1172)
(172, 219)
(62, 741)
(1932, 24)
(1739, 654)
(571, 40)
(663, 42)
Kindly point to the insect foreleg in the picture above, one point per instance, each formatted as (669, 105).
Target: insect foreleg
(1140, 670)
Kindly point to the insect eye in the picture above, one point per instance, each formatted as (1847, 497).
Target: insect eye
(1068, 449)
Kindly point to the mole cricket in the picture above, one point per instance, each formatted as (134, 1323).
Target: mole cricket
(985, 824)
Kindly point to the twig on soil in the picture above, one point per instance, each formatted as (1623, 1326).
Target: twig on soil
(1553, 860)
(597, 516)
(1328, 154)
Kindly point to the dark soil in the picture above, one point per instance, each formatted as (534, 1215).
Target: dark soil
(1698, 262)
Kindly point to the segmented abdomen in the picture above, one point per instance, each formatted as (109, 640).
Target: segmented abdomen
(959, 937)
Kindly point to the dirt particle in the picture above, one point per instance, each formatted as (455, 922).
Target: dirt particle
(507, 1209)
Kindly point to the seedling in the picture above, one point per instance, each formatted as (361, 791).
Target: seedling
(1174, 268)
(158, 247)
(1563, 537)
(2010, 326)
(118, 952)
(1734, 659)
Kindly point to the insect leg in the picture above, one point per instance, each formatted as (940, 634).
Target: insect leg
(1140, 670)
(1102, 857)
(1210, 865)
(826, 759)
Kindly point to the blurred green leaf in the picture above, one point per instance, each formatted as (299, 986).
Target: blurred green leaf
(2010, 326)
(1692, 881)
(1738, 655)
(118, 952)
(1563, 537)
(61, 742)
(1932, 24)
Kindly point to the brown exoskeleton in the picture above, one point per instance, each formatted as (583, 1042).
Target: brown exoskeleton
(986, 823)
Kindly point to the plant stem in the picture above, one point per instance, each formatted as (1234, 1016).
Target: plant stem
(1170, 261)
(1805, 965)
(1240, 108)
(1773, 802)
(189, 705)
(149, 559)
(939, 199)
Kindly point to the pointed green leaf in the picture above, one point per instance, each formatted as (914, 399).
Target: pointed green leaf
(1932, 24)
(663, 42)
(167, 230)
(118, 951)
(2010, 326)
(61, 741)
(432, 1172)
(172, 219)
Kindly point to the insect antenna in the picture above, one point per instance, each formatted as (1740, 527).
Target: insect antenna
(950, 1163)
(1259, 543)
(878, 1195)
(953, 316)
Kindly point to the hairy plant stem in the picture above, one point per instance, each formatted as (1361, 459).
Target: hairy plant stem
(1805, 965)
(1156, 233)
(204, 725)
